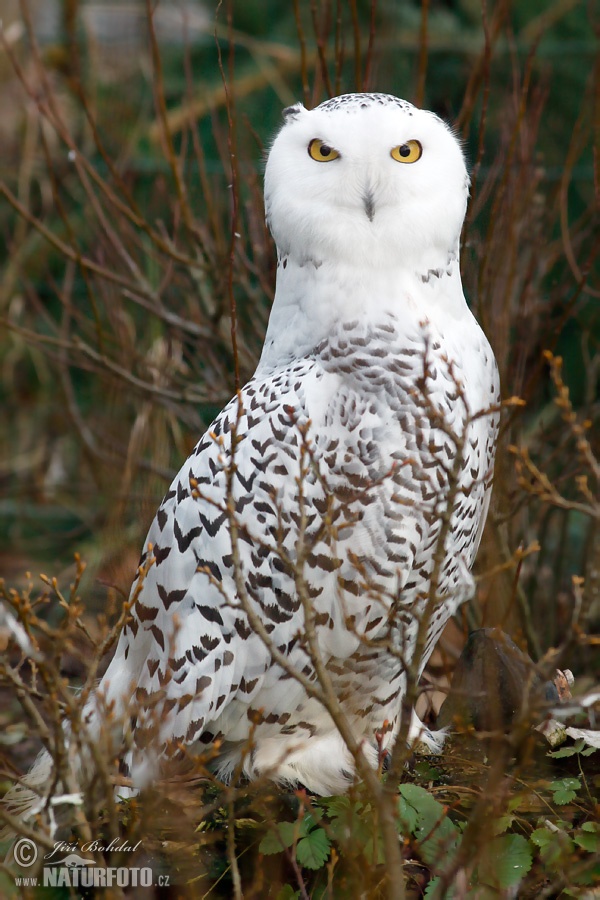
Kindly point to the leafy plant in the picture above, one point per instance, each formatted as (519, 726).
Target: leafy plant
(564, 790)
(306, 839)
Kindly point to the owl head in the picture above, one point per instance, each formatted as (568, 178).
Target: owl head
(368, 179)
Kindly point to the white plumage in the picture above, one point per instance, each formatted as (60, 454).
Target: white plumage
(373, 377)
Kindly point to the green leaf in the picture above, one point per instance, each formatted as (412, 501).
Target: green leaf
(437, 834)
(562, 753)
(554, 845)
(291, 831)
(375, 855)
(313, 850)
(589, 842)
(507, 859)
(420, 810)
(351, 822)
(270, 844)
(515, 802)
(541, 837)
(279, 838)
(502, 824)
(408, 816)
(588, 837)
(432, 887)
(287, 892)
(336, 806)
(564, 790)
(589, 876)
(573, 783)
(427, 772)
(516, 861)
(307, 822)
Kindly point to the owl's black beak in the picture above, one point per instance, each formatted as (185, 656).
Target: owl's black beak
(369, 204)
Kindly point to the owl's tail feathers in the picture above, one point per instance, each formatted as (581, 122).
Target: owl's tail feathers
(39, 795)
(28, 797)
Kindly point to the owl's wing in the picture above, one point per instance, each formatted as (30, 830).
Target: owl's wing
(303, 485)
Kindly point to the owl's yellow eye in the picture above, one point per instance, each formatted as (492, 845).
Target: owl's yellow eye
(321, 152)
(409, 152)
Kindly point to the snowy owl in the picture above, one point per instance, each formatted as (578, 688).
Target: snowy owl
(330, 516)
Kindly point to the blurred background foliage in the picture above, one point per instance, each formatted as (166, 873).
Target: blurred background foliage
(131, 226)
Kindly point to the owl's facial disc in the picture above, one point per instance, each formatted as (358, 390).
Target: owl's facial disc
(366, 179)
